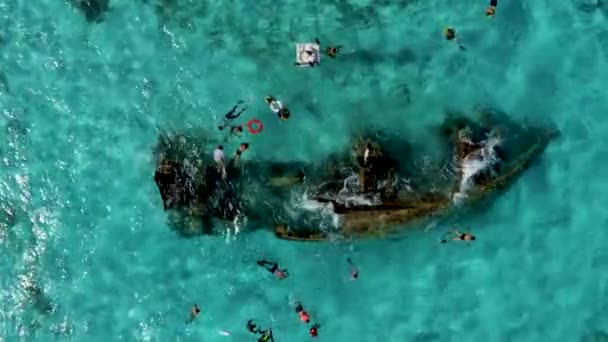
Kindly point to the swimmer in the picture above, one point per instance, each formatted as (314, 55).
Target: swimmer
(218, 156)
(236, 130)
(232, 114)
(450, 34)
(242, 148)
(277, 107)
(266, 336)
(331, 51)
(252, 327)
(193, 313)
(455, 235)
(304, 317)
(314, 330)
(491, 10)
(354, 272)
(273, 268)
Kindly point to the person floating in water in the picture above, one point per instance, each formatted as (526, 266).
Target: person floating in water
(354, 272)
(277, 107)
(254, 329)
(232, 115)
(273, 268)
(455, 235)
(242, 148)
(491, 10)
(314, 330)
(450, 34)
(236, 130)
(193, 313)
(304, 317)
(331, 51)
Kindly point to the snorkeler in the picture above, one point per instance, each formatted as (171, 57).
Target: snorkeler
(273, 268)
(491, 10)
(193, 313)
(314, 330)
(455, 235)
(450, 34)
(354, 272)
(304, 317)
(232, 114)
(254, 329)
(331, 51)
(277, 107)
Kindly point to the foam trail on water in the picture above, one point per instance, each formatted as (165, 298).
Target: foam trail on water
(475, 163)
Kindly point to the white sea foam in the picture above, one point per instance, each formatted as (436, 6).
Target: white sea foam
(475, 163)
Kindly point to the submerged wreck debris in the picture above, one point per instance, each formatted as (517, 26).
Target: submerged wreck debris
(370, 189)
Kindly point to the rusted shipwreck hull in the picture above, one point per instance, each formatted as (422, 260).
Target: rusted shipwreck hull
(364, 188)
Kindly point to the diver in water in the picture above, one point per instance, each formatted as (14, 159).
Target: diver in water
(331, 51)
(232, 115)
(277, 107)
(354, 272)
(450, 34)
(193, 313)
(302, 314)
(455, 235)
(314, 330)
(273, 268)
(491, 10)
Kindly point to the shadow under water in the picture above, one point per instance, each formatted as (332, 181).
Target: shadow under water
(369, 189)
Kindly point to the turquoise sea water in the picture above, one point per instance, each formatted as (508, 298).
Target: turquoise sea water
(82, 221)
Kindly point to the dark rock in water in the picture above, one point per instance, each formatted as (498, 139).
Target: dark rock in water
(94, 10)
(190, 183)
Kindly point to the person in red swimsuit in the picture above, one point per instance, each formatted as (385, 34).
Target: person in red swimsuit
(304, 316)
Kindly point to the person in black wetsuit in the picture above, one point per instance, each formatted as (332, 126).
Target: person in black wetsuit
(491, 10)
(273, 268)
(254, 329)
(232, 115)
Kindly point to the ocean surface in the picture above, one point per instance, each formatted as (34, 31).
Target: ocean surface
(85, 250)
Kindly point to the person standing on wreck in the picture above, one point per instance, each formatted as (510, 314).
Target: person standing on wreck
(218, 156)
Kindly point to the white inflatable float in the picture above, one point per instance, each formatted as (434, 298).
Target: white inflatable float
(307, 54)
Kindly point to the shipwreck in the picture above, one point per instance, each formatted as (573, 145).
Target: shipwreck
(370, 189)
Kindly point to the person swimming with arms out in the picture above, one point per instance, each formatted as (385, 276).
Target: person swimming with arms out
(193, 313)
(491, 10)
(331, 51)
(232, 115)
(455, 235)
(277, 107)
(273, 268)
(302, 314)
(354, 272)
(450, 34)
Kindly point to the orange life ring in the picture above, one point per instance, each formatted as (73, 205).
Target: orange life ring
(254, 126)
